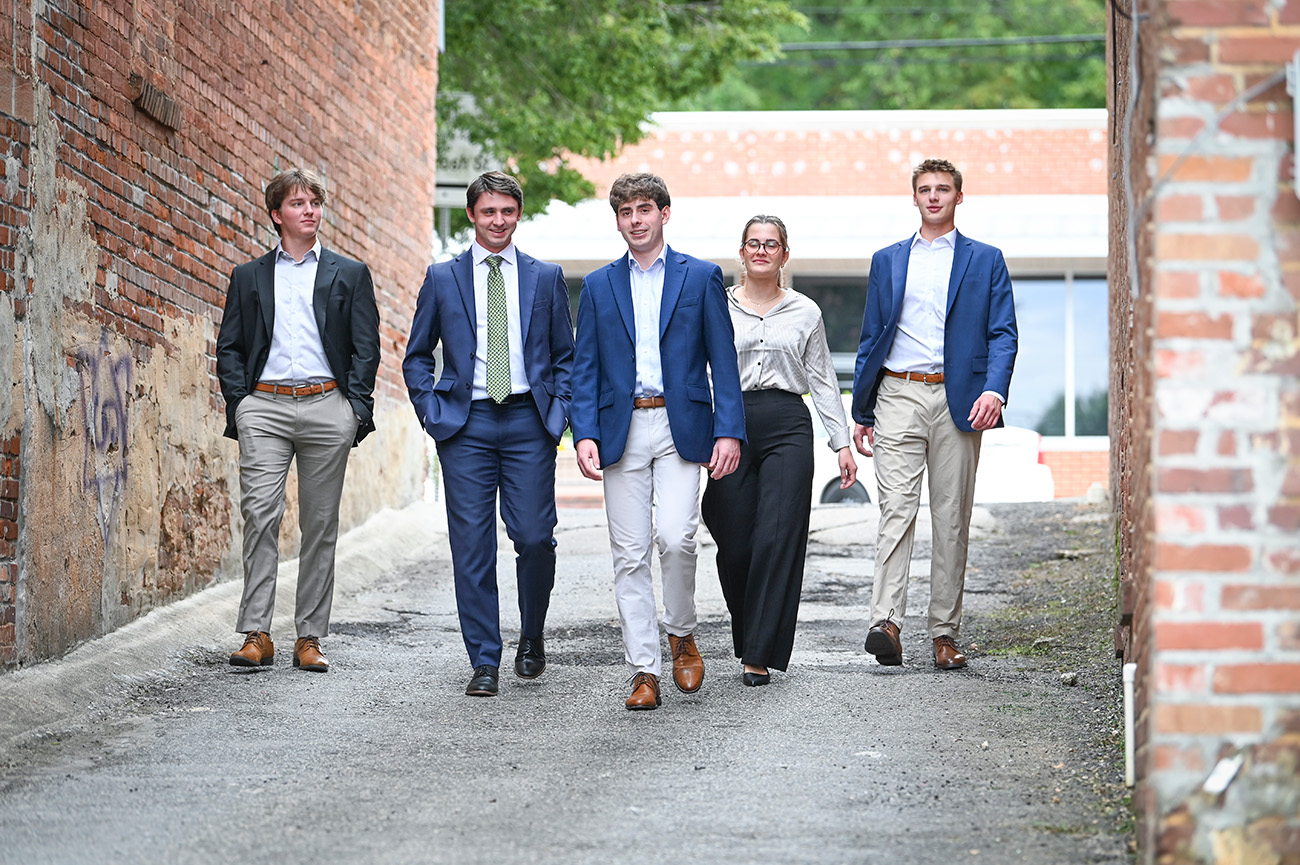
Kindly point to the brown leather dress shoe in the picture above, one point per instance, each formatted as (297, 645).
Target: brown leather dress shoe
(308, 656)
(688, 666)
(257, 651)
(645, 692)
(946, 654)
(883, 642)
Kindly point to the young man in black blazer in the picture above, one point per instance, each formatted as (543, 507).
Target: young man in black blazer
(297, 355)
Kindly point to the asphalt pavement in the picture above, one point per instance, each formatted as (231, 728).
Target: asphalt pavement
(146, 744)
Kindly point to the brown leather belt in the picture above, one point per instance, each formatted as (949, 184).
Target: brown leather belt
(648, 402)
(299, 390)
(927, 377)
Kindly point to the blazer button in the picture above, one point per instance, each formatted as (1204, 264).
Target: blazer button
(466, 385)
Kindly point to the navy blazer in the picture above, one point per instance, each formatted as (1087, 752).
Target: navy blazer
(444, 312)
(979, 340)
(344, 302)
(695, 340)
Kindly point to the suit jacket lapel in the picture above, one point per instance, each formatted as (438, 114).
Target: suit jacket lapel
(326, 269)
(898, 279)
(462, 271)
(265, 288)
(961, 255)
(620, 283)
(527, 291)
(674, 280)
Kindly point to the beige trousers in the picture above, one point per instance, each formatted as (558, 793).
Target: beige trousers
(914, 430)
(274, 430)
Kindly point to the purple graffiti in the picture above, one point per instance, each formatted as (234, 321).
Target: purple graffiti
(105, 391)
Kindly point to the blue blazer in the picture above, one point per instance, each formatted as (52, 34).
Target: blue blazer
(695, 339)
(979, 340)
(444, 312)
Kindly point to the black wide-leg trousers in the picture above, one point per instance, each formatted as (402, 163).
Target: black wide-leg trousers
(758, 516)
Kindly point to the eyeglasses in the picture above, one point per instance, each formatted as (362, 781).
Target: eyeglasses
(769, 245)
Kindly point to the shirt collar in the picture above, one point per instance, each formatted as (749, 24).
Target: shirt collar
(661, 258)
(281, 255)
(948, 240)
(480, 253)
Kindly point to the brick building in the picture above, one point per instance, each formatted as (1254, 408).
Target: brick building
(136, 139)
(1205, 420)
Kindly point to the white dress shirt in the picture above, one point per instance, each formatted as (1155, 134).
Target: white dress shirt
(297, 354)
(647, 297)
(510, 274)
(918, 342)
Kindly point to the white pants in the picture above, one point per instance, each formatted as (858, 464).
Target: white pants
(914, 429)
(652, 494)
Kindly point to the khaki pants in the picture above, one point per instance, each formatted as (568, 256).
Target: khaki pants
(914, 430)
(273, 429)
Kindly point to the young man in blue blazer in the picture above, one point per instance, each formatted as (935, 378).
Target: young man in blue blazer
(653, 328)
(933, 372)
(497, 414)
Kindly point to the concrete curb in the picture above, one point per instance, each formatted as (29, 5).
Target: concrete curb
(52, 697)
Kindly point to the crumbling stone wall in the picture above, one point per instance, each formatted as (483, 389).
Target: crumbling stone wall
(135, 140)
(1206, 421)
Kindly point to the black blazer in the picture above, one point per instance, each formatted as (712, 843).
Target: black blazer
(346, 314)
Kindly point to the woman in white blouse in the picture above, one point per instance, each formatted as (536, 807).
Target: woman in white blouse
(758, 515)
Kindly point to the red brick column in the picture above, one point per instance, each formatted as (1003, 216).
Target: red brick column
(1215, 592)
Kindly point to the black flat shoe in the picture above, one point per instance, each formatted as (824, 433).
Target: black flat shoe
(530, 660)
(753, 680)
(483, 683)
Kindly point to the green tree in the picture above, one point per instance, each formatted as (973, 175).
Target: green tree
(1044, 74)
(550, 78)
(1091, 416)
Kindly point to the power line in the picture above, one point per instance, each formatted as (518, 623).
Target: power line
(913, 59)
(885, 44)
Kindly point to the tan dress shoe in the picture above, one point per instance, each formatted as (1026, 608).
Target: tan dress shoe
(308, 656)
(946, 654)
(688, 666)
(257, 651)
(883, 642)
(645, 692)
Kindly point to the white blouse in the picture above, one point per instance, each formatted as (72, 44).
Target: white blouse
(785, 349)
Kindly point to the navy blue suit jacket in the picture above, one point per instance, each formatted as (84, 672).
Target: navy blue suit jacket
(979, 340)
(444, 312)
(695, 340)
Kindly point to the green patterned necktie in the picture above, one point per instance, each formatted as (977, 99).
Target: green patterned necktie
(498, 339)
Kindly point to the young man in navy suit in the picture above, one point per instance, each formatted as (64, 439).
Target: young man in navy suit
(933, 372)
(497, 414)
(653, 328)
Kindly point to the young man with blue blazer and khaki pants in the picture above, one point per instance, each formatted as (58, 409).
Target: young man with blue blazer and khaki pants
(933, 372)
(653, 329)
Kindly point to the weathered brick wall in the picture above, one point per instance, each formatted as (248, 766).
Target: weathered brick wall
(118, 231)
(1208, 541)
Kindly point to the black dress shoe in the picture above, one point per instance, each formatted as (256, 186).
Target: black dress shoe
(483, 683)
(753, 680)
(530, 660)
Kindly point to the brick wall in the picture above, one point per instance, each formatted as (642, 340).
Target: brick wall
(120, 221)
(1206, 391)
(1075, 471)
(864, 153)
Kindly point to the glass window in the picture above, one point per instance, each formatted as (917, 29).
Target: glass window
(1038, 387)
